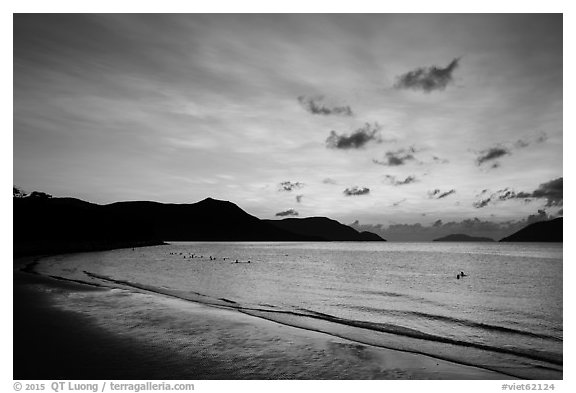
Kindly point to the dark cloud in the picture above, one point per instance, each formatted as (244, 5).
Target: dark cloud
(289, 212)
(397, 158)
(356, 191)
(438, 194)
(428, 79)
(492, 154)
(551, 191)
(358, 139)
(395, 182)
(315, 106)
(329, 181)
(289, 186)
(299, 198)
(481, 203)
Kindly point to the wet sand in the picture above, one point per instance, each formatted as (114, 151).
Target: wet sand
(68, 330)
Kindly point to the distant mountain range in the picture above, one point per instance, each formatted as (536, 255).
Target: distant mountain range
(46, 225)
(543, 231)
(43, 224)
(324, 229)
(463, 238)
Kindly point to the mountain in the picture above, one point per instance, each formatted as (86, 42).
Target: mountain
(43, 224)
(543, 231)
(323, 228)
(460, 237)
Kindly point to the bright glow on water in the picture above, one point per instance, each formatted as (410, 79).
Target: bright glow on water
(506, 314)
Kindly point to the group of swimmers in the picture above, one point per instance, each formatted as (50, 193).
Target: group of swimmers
(191, 255)
(461, 274)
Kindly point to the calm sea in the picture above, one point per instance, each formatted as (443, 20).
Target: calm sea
(504, 315)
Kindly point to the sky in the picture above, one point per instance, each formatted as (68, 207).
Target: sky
(411, 126)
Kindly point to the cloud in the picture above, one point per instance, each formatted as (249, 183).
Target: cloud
(492, 154)
(395, 182)
(437, 194)
(289, 186)
(438, 160)
(439, 228)
(356, 191)
(551, 191)
(289, 212)
(329, 181)
(398, 203)
(428, 79)
(315, 106)
(542, 138)
(358, 139)
(522, 143)
(397, 158)
(299, 198)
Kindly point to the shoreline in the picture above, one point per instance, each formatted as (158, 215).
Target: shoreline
(83, 348)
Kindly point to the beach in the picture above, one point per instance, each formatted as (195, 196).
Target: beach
(90, 332)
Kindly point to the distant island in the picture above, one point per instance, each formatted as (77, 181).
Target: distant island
(47, 225)
(460, 237)
(543, 231)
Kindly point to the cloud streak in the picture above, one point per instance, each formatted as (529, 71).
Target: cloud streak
(315, 106)
(356, 140)
(491, 154)
(438, 194)
(428, 79)
(355, 191)
(286, 213)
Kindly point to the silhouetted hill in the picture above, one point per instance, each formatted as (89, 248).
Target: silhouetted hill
(543, 231)
(323, 228)
(460, 237)
(366, 236)
(207, 220)
(45, 225)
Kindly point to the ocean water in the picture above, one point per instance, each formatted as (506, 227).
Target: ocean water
(505, 315)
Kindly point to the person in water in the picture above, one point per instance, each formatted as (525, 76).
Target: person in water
(462, 274)
(458, 276)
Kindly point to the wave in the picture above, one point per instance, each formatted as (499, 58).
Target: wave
(388, 328)
(457, 321)
(401, 295)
